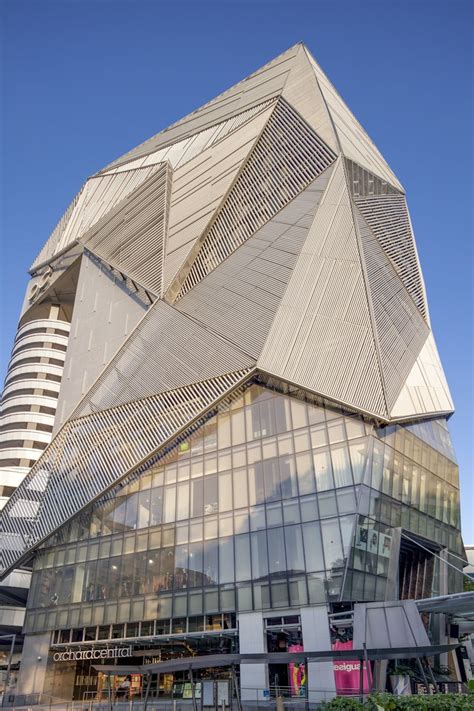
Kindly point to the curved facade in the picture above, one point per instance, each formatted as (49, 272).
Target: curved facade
(251, 442)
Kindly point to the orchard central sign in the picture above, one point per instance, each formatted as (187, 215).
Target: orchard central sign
(75, 656)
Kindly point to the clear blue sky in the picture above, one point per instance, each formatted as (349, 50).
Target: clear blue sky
(86, 81)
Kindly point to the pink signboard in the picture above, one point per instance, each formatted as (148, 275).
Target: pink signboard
(347, 673)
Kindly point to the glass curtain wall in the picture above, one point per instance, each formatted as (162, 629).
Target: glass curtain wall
(273, 502)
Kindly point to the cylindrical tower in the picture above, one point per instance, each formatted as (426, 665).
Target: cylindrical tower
(29, 399)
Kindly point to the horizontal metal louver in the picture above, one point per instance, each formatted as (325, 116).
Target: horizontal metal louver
(286, 159)
(131, 238)
(91, 454)
(387, 217)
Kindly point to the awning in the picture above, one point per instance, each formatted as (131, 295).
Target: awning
(224, 660)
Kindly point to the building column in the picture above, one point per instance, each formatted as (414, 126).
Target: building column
(253, 677)
(34, 661)
(317, 638)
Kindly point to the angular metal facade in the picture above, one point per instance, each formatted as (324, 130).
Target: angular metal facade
(265, 251)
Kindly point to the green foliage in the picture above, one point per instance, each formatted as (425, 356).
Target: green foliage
(468, 585)
(389, 702)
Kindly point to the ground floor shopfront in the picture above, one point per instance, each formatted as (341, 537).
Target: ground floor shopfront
(67, 664)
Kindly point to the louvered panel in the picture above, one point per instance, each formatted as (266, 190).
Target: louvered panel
(166, 350)
(400, 329)
(322, 337)
(363, 183)
(132, 237)
(264, 84)
(91, 454)
(240, 297)
(285, 160)
(182, 152)
(50, 248)
(387, 217)
(200, 186)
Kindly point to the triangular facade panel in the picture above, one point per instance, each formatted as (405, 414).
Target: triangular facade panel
(322, 336)
(426, 391)
(287, 157)
(353, 140)
(199, 188)
(166, 350)
(240, 297)
(263, 85)
(400, 329)
(387, 217)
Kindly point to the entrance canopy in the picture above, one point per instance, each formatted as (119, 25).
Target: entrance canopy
(225, 660)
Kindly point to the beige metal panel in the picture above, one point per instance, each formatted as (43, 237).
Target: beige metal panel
(240, 297)
(166, 350)
(200, 186)
(426, 391)
(303, 93)
(51, 245)
(264, 84)
(287, 157)
(322, 337)
(399, 327)
(387, 217)
(354, 141)
(105, 313)
(131, 237)
(183, 151)
(92, 454)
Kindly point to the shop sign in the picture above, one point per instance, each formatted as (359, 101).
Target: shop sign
(72, 655)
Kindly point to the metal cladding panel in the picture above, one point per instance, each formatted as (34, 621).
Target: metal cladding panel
(354, 141)
(426, 391)
(177, 154)
(132, 237)
(287, 157)
(400, 328)
(303, 93)
(322, 337)
(91, 454)
(200, 186)
(387, 217)
(240, 297)
(98, 196)
(263, 85)
(50, 247)
(166, 350)
(386, 625)
(105, 313)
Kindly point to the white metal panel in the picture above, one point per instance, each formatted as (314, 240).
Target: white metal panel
(286, 158)
(131, 238)
(185, 150)
(264, 84)
(322, 337)
(240, 297)
(200, 186)
(354, 141)
(302, 91)
(387, 217)
(399, 327)
(426, 391)
(166, 350)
